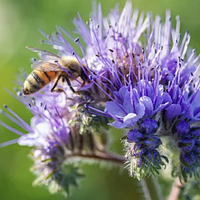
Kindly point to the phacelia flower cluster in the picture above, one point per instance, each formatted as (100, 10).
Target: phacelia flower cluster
(140, 77)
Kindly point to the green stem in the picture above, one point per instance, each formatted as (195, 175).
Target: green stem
(145, 189)
(154, 189)
(158, 188)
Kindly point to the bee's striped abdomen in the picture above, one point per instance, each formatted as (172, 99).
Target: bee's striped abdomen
(37, 80)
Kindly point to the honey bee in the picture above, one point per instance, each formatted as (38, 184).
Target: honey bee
(52, 67)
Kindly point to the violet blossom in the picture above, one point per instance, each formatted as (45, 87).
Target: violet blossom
(141, 78)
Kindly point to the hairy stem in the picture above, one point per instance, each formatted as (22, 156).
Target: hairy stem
(153, 188)
(175, 190)
(100, 156)
(158, 189)
(145, 190)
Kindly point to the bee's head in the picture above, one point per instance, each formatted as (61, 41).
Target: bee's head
(72, 65)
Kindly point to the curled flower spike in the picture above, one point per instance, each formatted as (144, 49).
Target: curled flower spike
(142, 147)
(134, 73)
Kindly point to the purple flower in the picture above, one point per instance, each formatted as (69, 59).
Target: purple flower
(128, 111)
(140, 77)
(143, 145)
(142, 101)
(149, 126)
(50, 135)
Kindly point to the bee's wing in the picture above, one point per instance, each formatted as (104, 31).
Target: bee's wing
(45, 55)
(45, 66)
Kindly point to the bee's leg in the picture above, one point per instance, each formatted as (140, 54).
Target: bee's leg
(83, 84)
(83, 77)
(69, 84)
(56, 83)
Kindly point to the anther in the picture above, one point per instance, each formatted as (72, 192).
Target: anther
(86, 106)
(76, 40)
(33, 59)
(143, 50)
(19, 94)
(90, 77)
(111, 50)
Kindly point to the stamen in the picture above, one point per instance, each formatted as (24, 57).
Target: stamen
(194, 95)
(4, 144)
(196, 59)
(16, 97)
(59, 115)
(64, 41)
(97, 42)
(183, 42)
(197, 111)
(97, 110)
(189, 59)
(11, 129)
(102, 83)
(26, 126)
(14, 120)
(56, 134)
(120, 106)
(33, 60)
(83, 29)
(82, 51)
(186, 46)
(76, 39)
(65, 32)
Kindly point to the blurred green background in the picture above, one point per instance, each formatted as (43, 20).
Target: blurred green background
(19, 24)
